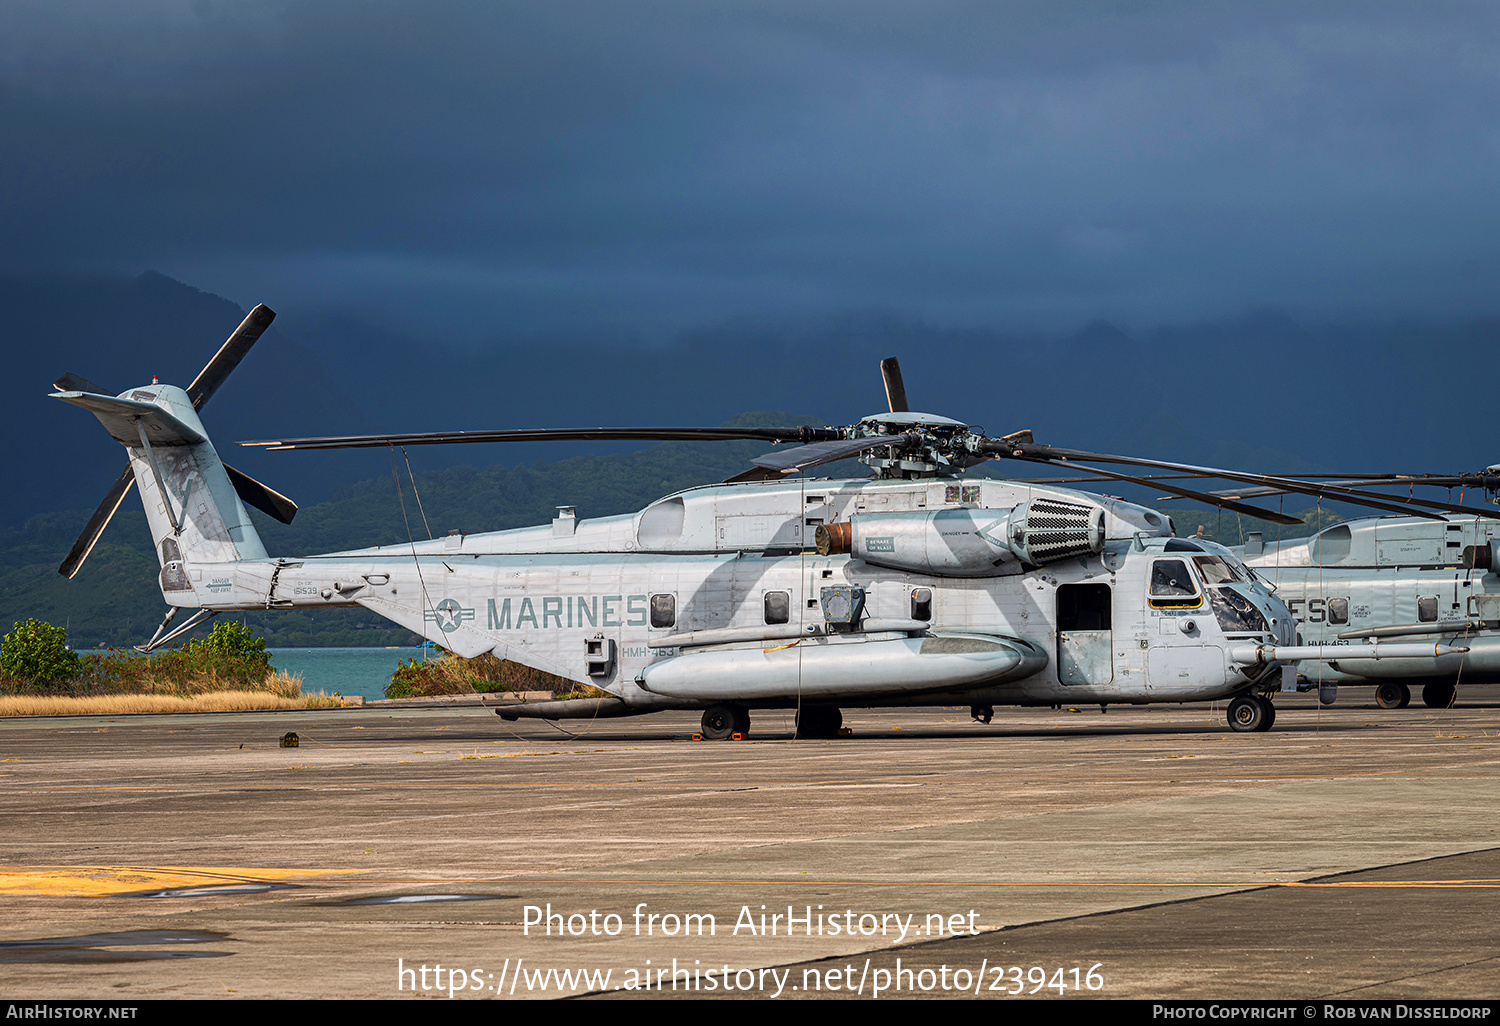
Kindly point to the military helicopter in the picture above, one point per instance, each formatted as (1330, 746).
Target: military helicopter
(1433, 576)
(1394, 577)
(771, 590)
(1389, 577)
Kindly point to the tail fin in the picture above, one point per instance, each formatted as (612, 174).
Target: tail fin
(191, 503)
(165, 418)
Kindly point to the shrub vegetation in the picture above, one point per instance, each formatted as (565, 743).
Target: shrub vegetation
(35, 655)
(34, 660)
(453, 675)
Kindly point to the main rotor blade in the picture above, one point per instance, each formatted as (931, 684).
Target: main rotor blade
(684, 434)
(1393, 504)
(97, 523)
(1186, 493)
(263, 497)
(804, 456)
(1473, 480)
(229, 355)
(1486, 481)
(895, 388)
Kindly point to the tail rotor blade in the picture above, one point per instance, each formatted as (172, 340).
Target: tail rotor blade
(97, 523)
(895, 388)
(263, 497)
(229, 355)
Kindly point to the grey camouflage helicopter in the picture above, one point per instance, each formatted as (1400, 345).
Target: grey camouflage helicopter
(1394, 577)
(916, 587)
(1433, 576)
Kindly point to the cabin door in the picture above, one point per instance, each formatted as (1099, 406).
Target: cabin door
(1085, 640)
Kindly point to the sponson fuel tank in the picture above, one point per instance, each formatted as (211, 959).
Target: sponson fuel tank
(845, 665)
(968, 542)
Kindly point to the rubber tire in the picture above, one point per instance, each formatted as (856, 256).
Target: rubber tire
(1247, 714)
(1392, 695)
(742, 721)
(1438, 696)
(1270, 713)
(720, 722)
(819, 721)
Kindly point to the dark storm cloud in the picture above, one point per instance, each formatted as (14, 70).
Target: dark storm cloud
(659, 164)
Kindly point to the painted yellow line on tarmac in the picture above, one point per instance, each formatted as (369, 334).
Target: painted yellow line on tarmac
(99, 881)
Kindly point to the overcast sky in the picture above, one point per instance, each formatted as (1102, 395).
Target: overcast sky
(639, 168)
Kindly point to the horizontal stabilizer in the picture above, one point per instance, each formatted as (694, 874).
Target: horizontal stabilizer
(120, 417)
(71, 382)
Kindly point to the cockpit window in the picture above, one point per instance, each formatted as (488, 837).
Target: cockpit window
(1172, 584)
(1215, 570)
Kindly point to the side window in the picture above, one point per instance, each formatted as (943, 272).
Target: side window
(1083, 607)
(921, 603)
(778, 606)
(1338, 610)
(1172, 585)
(663, 610)
(1427, 609)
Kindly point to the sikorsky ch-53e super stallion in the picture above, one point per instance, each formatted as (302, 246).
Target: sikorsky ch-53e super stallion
(1394, 577)
(916, 586)
(1433, 576)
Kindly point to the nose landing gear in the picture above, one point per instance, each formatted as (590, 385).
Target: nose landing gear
(1251, 714)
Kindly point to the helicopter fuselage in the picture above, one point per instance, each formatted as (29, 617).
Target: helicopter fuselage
(692, 601)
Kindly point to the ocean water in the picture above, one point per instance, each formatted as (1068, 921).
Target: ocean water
(349, 671)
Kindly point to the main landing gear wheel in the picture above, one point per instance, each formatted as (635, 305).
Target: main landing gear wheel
(1438, 696)
(721, 722)
(1392, 695)
(819, 721)
(1251, 713)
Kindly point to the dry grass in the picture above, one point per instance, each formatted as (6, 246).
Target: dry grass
(185, 671)
(201, 676)
(212, 701)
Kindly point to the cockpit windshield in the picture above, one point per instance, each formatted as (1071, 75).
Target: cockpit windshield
(1216, 570)
(1235, 613)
